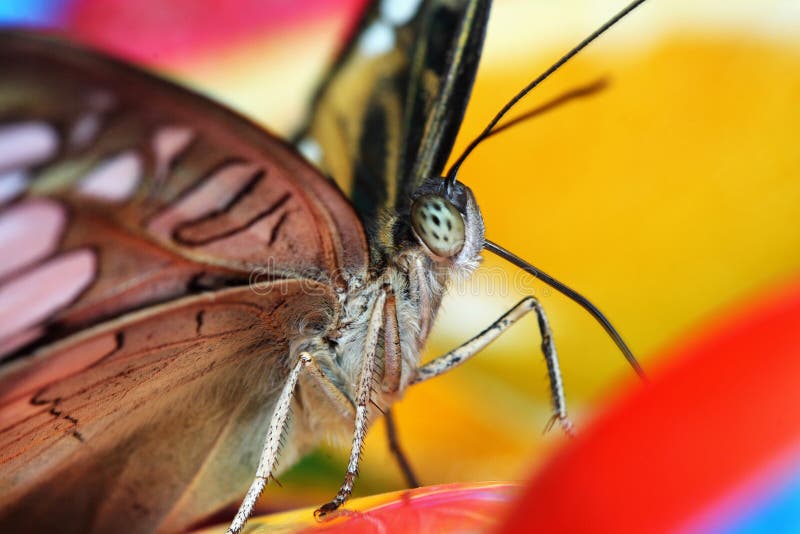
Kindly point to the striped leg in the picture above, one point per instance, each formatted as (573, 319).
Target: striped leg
(392, 368)
(469, 349)
(363, 391)
(277, 427)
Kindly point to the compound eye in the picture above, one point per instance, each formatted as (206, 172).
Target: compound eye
(438, 224)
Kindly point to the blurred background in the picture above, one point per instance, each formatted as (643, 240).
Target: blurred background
(669, 198)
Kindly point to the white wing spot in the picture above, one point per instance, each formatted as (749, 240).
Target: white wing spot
(168, 143)
(377, 39)
(212, 194)
(399, 12)
(114, 179)
(310, 150)
(88, 125)
(38, 294)
(84, 130)
(12, 183)
(29, 231)
(101, 101)
(26, 143)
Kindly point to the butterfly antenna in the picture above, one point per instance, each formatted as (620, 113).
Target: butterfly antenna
(451, 174)
(575, 296)
(572, 94)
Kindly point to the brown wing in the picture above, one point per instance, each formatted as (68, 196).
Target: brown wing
(138, 383)
(122, 190)
(151, 421)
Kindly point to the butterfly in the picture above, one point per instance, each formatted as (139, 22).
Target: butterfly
(186, 300)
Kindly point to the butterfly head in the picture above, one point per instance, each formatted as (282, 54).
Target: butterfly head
(447, 222)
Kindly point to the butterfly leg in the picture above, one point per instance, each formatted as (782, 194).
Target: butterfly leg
(277, 427)
(392, 369)
(397, 452)
(363, 392)
(469, 349)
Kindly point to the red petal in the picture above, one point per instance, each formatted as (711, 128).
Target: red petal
(723, 411)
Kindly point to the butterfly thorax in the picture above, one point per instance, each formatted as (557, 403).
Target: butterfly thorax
(415, 289)
(402, 298)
